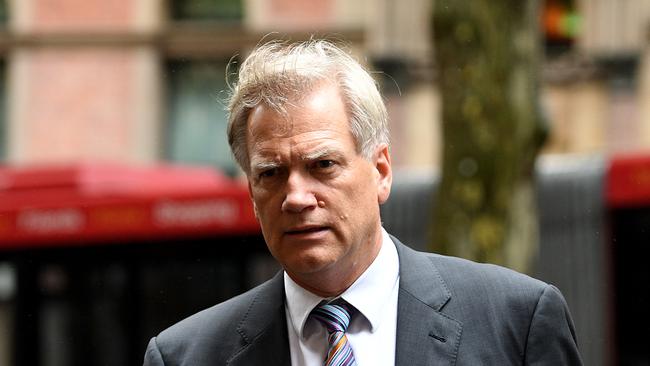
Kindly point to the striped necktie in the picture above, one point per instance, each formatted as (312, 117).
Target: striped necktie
(336, 318)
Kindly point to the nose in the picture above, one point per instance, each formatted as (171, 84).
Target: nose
(299, 196)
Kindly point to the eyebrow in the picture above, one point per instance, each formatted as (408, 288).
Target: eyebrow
(320, 153)
(262, 165)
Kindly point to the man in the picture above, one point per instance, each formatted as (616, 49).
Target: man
(309, 128)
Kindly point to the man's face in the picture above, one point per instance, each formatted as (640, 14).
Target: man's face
(316, 198)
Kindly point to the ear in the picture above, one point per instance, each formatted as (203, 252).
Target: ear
(385, 173)
(250, 195)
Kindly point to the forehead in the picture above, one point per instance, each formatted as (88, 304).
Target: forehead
(321, 112)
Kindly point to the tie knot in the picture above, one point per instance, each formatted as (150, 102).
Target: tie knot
(335, 317)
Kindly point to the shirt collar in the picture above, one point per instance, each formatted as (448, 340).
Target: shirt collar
(368, 294)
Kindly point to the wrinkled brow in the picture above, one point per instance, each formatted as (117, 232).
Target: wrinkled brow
(259, 165)
(320, 153)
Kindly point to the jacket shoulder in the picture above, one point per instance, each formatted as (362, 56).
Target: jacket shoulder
(467, 277)
(514, 316)
(214, 333)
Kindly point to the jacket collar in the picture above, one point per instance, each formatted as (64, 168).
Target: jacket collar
(425, 335)
(263, 328)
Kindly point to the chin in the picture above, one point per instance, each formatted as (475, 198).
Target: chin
(308, 263)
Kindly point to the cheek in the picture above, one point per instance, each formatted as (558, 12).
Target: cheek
(355, 204)
(362, 199)
(365, 189)
(262, 198)
(267, 209)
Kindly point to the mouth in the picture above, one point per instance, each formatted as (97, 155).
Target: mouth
(306, 230)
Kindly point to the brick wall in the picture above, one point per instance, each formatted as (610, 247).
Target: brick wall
(71, 98)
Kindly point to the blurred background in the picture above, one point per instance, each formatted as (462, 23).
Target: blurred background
(121, 210)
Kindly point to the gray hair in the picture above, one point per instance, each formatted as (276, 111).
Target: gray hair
(277, 72)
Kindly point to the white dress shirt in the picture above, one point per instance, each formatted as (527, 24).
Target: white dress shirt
(372, 330)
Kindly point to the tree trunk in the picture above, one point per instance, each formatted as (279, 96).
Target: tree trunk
(487, 54)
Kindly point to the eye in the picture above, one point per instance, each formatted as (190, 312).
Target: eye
(268, 173)
(324, 164)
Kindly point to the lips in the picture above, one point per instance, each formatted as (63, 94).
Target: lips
(306, 230)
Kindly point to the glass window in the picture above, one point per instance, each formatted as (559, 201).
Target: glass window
(217, 10)
(3, 119)
(3, 113)
(3, 12)
(196, 123)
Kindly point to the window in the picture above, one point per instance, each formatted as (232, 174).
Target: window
(196, 123)
(3, 12)
(3, 113)
(210, 10)
(195, 131)
(3, 93)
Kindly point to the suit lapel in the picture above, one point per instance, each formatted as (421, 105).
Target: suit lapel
(425, 336)
(263, 329)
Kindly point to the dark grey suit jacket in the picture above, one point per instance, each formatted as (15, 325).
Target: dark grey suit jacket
(450, 312)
